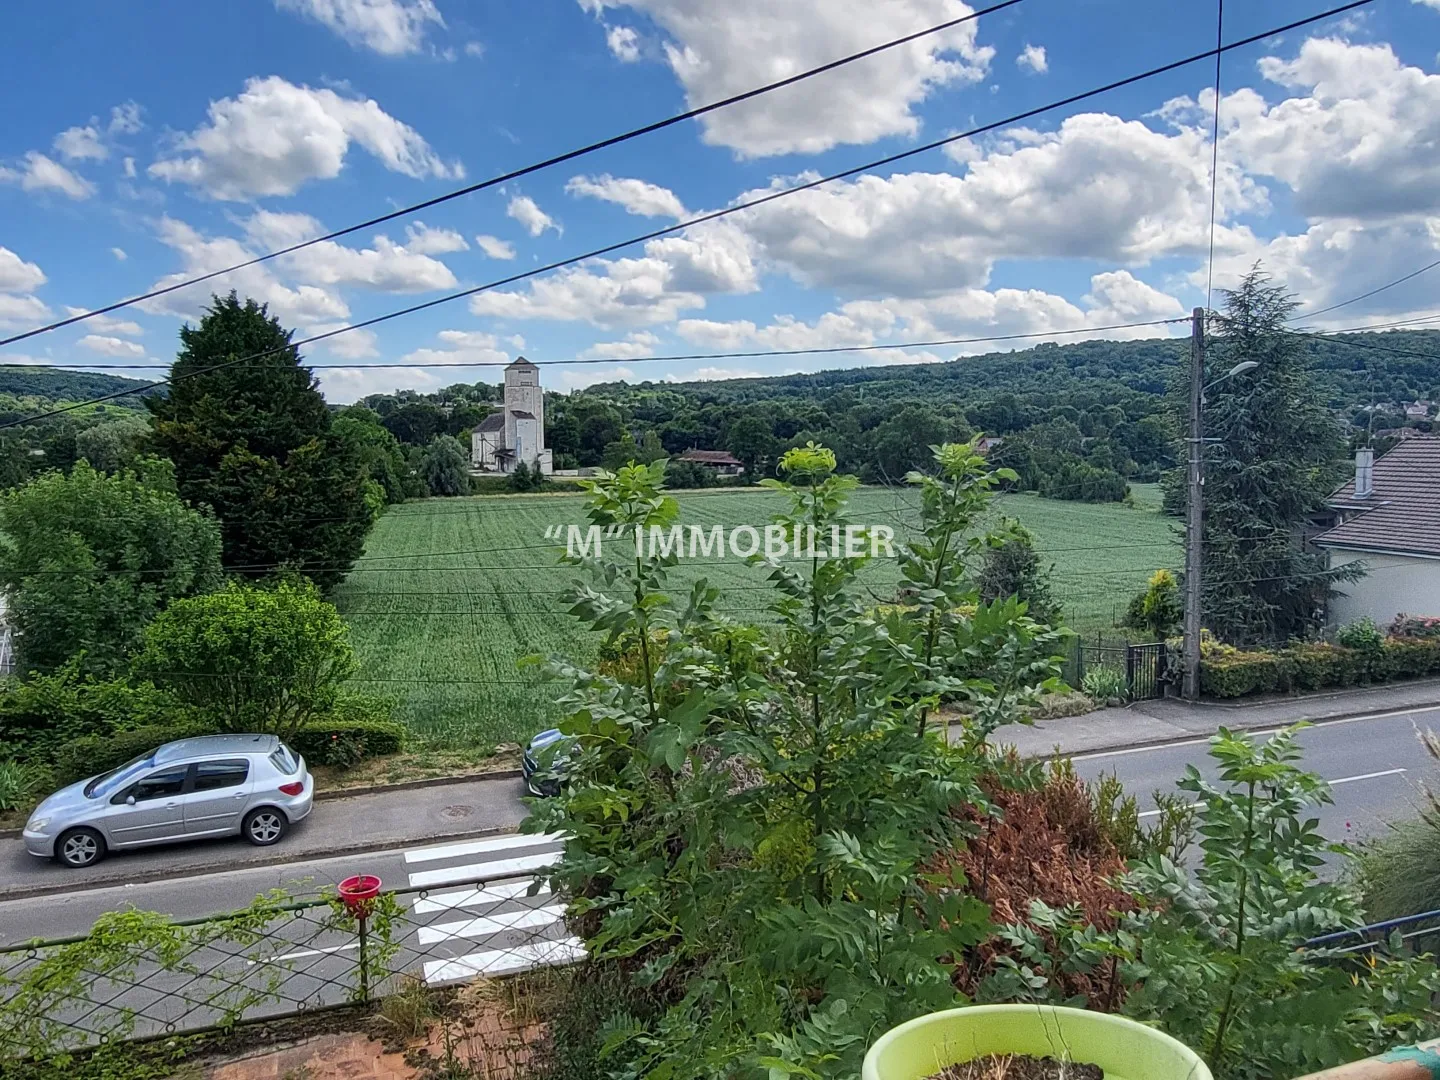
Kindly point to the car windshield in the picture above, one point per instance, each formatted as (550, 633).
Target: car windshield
(108, 782)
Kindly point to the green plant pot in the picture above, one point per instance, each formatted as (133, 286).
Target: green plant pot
(1124, 1049)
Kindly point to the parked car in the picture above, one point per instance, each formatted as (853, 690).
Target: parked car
(543, 765)
(215, 785)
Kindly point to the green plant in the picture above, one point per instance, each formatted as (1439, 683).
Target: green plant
(345, 741)
(750, 827)
(1157, 611)
(1105, 683)
(19, 785)
(252, 658)
(41, 715)
(1398, 873)
(92, 754)
(1415, 626)
(1361, 634)
(409, 1007)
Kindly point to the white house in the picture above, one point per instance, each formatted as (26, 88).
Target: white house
(516, 431)
(1389, 519)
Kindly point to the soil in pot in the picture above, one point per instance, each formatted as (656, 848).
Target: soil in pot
(1019, 1067)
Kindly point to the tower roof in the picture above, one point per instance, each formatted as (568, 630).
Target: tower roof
(521, 362)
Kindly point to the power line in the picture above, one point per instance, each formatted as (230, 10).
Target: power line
(516, 174)
(750, 355)
(726, 211)
(1372, 292)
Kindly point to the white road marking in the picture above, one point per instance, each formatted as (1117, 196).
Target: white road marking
(477, 871)
(502, 961)
(1332, 783)
(485, 925)
(477, 847)
(303, 953)
(463, 898)
(1254, 731)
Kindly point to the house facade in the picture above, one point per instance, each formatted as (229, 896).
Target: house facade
(515, 432)
(1388, 520)
(720, 462)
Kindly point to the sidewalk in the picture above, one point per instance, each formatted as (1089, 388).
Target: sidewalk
(1148, 723)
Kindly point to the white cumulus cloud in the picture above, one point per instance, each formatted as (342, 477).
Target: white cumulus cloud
(528, 213)
(637, 196)
(112, 346)
(385, 266)
(40, 173)
(494, 247)
(276, 136)
(635, 346)
(424, 240)
(17, 275)
(716, 50)
(389, 27)
(1032, 59)
(108, 324)
(623, 42)
(22, 310)
(81, 144)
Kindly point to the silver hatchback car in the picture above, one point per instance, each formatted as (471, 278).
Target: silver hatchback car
(216, 785)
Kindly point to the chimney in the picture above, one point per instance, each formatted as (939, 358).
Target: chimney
(1364, 473)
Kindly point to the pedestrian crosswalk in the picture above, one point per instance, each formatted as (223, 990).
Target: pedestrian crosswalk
(496, 917)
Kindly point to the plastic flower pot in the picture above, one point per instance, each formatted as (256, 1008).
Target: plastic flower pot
(358, 894)
(1124, 1049)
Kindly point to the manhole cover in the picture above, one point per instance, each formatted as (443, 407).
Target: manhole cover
(455, 813)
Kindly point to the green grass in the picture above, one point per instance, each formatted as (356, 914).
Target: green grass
(451, 593)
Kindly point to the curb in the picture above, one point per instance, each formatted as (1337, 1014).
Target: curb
(275, 859)
(1197, 736)
(370, 789)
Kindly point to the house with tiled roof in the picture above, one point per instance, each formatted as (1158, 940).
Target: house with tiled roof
(721, 462)
(1388, 518)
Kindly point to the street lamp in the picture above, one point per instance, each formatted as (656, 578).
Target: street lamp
(1195, 505)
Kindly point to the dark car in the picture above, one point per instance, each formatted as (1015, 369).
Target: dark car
(545, 761)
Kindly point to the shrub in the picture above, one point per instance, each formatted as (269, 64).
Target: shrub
(1227, 672)
(1012, 568)
(45, 712)
(1360, 634)
(1104, 683)
(94, 754)
(344, 742)
(1415, 626)
(19, 785)
(1157, 612)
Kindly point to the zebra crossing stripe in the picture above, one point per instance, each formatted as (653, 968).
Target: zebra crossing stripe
(490, 894)
(485, 925)
(502, 961)
(477, 871)
(478, 847)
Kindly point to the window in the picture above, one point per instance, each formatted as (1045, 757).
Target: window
(160, 784)
(213, 775)
(283, 758)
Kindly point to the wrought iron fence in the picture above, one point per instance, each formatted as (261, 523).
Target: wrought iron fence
(139, 975)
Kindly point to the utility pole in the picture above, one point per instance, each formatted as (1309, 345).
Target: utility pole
(1194, 513)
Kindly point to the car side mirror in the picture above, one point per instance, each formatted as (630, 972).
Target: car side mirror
(129, 800)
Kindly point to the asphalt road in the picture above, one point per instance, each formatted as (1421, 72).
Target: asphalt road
(1376, 766)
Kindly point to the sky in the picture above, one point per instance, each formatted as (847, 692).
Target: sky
(146, 143)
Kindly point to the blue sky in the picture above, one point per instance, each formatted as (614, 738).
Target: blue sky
(146, 143)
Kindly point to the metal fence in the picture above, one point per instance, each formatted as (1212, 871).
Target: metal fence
(1145, 667)
(1406, 931)
(139, 975)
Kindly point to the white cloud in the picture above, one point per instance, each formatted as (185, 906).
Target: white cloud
(129, 168)
(22, 310)
(303, 305)
(81, 144)
(108, 324)
(1098, 188)
(343, 385)
(623, 42)
(275, 137)
(423, 240)
(1032, 59)
(474, 48)
(716, 50)
(528, 213)
(670, 278)
(579, 378)
(112, 346)
(713, 374)
(17, 275)
(351, 345)
(494, 247)
(636, 196)
(460, 347)
(40, 173)
(125, 119)
(634, 347)
(389, 27)
(385, 267)
(119, 254)
(1362, 141)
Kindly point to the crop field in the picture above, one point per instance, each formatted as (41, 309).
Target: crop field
(451, 593)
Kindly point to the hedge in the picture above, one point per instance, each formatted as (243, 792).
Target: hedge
(1232, 674)
(337, 741)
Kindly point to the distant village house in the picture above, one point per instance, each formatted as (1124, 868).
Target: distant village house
(515, 432)
(721, 462)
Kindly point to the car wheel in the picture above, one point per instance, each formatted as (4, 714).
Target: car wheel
(265, 826)
(79, 848)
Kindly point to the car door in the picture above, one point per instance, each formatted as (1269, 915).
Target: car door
(219, 790)
(158, 812)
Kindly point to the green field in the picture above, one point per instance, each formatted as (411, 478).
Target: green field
(451, 593)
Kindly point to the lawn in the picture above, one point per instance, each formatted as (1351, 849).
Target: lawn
(451, 593)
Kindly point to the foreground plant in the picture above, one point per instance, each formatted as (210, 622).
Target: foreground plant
(751, 809)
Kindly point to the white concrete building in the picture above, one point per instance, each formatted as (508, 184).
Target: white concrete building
(516, 431)
(1389, 521)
